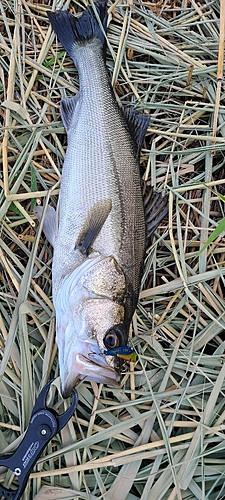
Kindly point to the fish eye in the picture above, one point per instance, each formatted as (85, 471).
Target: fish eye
(113, 338)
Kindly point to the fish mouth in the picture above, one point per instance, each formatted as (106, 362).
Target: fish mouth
(85, 363)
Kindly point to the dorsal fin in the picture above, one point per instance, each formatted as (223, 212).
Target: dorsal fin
(156, 208)
(138, 124)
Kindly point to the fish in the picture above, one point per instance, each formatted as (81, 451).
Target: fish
(98, 230)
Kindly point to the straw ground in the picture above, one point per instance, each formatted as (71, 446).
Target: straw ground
(161, 434)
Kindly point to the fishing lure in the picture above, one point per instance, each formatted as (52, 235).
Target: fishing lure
(122, 352)
(132, 358)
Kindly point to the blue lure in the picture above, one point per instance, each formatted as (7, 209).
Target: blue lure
(123, 349)
(123, 352)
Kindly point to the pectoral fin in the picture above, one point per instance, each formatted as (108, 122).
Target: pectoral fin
(93, 225)
(49, 224)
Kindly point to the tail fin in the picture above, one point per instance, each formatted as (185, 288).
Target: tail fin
(72, 31)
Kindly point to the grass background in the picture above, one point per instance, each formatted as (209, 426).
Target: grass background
(161, 434)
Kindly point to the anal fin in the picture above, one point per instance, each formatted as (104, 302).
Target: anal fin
(67, 109)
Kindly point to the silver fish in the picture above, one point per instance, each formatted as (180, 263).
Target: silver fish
(98, 229)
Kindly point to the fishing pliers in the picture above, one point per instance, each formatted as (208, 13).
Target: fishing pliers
(43, 426)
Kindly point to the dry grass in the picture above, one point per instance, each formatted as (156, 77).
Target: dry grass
(161, 435)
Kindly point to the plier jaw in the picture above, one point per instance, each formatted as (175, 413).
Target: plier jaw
(43, 426)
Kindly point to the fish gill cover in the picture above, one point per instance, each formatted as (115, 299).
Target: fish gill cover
(161, 434)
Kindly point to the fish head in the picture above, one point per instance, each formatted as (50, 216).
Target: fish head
(89, 320)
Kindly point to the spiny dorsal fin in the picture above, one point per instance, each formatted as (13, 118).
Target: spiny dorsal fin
(138, 124)
(156, 208)
(93, 225)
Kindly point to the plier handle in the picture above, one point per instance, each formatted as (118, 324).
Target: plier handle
(43, 426)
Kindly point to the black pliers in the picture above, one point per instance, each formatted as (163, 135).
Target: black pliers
(43, 426)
